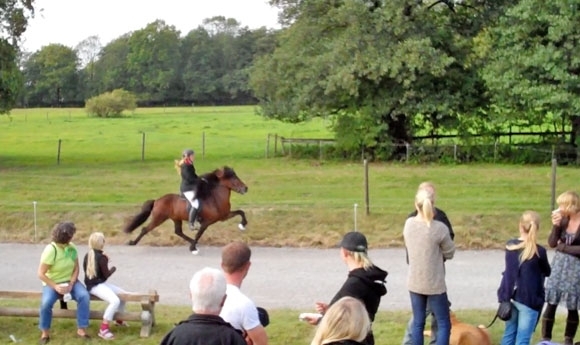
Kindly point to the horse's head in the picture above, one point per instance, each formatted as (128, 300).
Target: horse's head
(227, 177)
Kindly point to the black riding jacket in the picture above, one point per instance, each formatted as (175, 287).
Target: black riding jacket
(188, 177)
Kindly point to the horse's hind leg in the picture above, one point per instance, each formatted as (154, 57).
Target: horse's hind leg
(179, 232)
(146, 229)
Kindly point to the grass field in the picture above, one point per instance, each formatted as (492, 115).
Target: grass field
(284, 328)
(101, 181)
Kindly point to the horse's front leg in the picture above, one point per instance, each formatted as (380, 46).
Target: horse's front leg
(242, 225)
(179, 232)
(200, 232)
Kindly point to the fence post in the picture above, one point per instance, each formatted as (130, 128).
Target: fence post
(142, 146)
(203, 144)
(407, 153)
(268, 146)
(455, 152)
(275, 144)
(553, 184)
(319, 150)
(58, 152)
(34, 211)
(367, 207)
(495, 151)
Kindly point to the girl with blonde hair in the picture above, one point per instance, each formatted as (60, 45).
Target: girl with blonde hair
(526, 266)
(563, 286)
(97, 272)
(428, 245)
(346, 322)
(365, 282)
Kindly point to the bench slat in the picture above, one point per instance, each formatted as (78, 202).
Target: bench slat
(67, 314)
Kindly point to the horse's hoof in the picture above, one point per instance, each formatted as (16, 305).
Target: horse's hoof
(195, 252)
(241, 227)
(131, 243)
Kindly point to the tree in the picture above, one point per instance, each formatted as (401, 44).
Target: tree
(51, 76)
(153, 62)
(380, 71)
(14, 16)
(111, 69)
(88, 52)
(533, 69)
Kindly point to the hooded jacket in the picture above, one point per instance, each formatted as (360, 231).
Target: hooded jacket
(366, 285)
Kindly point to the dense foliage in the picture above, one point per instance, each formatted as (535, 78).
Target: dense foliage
(380, 72)
(14, 16)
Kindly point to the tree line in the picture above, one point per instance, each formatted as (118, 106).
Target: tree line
(208, 66)
(381, 71)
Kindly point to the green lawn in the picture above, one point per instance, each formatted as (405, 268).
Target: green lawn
(284, 328)
(101, 181)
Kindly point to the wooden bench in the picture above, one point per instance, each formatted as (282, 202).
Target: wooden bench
(146, 315)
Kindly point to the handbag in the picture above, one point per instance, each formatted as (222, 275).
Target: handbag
(504, 311)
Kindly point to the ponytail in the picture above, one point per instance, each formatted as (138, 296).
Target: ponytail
(424, 205)
(530, 223)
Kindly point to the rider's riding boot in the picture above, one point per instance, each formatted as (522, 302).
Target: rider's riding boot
(547, 325)
(192, 218)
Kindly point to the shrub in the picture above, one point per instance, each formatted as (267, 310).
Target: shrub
(111, 104)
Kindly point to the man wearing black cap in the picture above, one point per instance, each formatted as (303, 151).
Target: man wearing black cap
(365, 281)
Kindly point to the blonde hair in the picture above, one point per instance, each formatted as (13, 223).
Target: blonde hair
(178, 164)
(361, 258)
(530, 224)
(347, 319)
(424, 200)
(96, 242)
(429, 186)
(570, 202)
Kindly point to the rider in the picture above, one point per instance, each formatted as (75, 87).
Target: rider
(189, 181)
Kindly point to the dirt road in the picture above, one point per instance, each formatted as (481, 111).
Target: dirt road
(279, 277)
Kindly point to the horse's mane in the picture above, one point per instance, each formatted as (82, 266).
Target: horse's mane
(209, 181)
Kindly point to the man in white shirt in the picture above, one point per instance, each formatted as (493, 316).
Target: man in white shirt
(238, 309)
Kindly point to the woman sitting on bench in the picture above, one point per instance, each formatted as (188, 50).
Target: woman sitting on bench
(59, 271)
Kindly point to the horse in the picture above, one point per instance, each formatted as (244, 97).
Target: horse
(213, 192)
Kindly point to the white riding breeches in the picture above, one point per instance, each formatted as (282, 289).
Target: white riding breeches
(190, 196)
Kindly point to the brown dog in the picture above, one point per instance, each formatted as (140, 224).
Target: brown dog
(466, 334)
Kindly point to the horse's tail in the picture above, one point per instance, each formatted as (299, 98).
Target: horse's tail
(141, 217)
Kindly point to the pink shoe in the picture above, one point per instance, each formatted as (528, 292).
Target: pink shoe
(106, 334)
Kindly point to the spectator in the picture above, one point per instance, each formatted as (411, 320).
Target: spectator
(526, 266)
(238, 309)
(563, 286)
(346, 322)
(205, 326)
(96, 267)
(442, 217)
(59, 270)
(365, 281)
(428, 244)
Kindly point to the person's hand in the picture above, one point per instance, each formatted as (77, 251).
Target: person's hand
(313, 320)
(248, 340)
(561, 247)
(556, 217)
(62, 289)
(321, 307)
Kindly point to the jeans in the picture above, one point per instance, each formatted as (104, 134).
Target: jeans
(439, 305)
(407, 336)
(50, 296)
(520, 327)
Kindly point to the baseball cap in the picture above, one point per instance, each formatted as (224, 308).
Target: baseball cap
(354, 242)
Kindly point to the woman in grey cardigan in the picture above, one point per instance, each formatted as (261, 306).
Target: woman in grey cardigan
(428, 245)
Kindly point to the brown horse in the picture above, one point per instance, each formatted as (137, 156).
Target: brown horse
(213, 192)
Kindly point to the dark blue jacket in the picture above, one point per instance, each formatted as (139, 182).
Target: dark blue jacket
(188, 177)
(527, 279)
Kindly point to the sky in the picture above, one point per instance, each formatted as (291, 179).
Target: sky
(69, 22)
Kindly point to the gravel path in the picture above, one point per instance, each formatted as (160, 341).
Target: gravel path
(279, 277)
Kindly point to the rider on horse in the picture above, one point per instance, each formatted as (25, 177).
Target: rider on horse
(189, 180)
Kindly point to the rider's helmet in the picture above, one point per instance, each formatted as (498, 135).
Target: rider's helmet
(188, 152)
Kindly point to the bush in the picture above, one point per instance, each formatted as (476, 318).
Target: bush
(111, 104)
